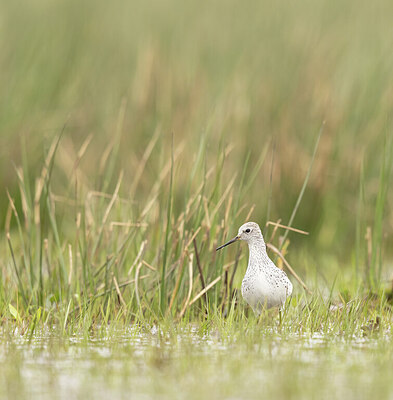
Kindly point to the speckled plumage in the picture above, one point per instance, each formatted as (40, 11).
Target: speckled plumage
(264, 285)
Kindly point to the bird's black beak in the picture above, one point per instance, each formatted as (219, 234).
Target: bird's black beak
(236, 238)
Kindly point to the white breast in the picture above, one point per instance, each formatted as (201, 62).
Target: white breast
(266, 287)
(261, 293)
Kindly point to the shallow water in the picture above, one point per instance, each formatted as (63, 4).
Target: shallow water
(188, 364)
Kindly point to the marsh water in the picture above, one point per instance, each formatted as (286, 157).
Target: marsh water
(187, 363)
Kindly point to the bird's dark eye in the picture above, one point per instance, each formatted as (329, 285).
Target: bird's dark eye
(247, 230)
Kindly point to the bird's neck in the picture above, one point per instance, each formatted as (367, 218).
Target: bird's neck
(257, 245)
(258, 257)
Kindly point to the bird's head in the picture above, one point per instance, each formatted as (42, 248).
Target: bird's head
(248, 232)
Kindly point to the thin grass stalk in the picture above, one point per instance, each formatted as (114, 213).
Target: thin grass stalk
(119, 293)
(226, 290)
(255, 171)
(21, 289)
(52, 219)
(242, 180)
(178, 280)
(189, 286)
(199, 268)
(278, 225)
(204, 291)
(28, 225)
(21, 235)
(376, 256)
(270, 195)
(166, 245)
(290, 269)
(138, 268)
(305, 182)
(142, 164)
(237, 258)
(359, 253)
(106, 214)
(139, 255)
(108, 165)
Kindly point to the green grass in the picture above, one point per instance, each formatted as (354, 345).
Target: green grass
(309, 353)
(239, 76)
(102, 257)
(136, 137)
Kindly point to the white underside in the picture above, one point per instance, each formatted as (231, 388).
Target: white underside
(263, 294)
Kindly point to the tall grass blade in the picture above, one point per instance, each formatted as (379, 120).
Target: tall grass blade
(163, 297)
(384, 184)
(299, 199)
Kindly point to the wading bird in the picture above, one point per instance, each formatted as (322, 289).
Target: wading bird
(264, 285)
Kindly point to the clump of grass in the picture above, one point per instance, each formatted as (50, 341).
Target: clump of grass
(89, 256)
(120, 83)
(95, 250)
(370, 247)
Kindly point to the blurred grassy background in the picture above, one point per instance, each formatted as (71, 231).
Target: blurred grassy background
(247, 75)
